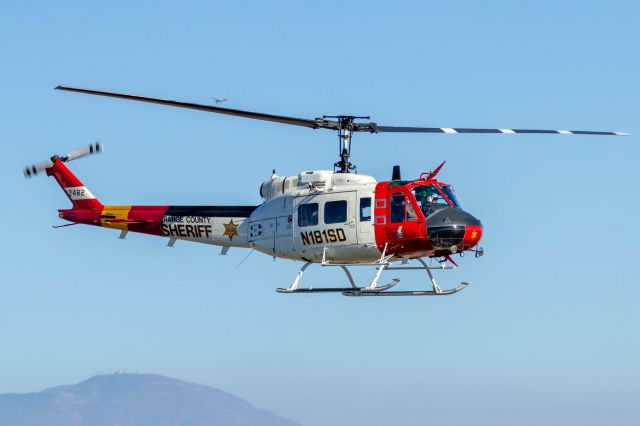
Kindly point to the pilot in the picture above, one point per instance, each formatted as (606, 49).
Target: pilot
(420, 194)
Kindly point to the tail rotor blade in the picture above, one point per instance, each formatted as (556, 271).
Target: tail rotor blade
(94, 148)
(33, 170)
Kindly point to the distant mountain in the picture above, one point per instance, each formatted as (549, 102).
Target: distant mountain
(133, 400)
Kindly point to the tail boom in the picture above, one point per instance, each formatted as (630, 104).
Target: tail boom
(218, 225)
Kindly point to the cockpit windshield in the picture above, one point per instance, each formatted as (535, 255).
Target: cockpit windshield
(430, 199)
(451, 194)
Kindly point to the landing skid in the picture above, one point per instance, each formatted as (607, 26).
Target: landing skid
(373, 289)
(408, 293)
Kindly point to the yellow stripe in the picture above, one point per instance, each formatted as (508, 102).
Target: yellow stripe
(110, 213)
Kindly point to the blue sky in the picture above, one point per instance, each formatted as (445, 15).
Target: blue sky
(547, 332)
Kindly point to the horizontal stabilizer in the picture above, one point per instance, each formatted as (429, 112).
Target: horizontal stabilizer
(128, 221)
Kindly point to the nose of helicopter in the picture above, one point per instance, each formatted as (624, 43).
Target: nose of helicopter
(453, 227)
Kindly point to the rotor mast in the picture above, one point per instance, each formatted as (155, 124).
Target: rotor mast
(345, 129)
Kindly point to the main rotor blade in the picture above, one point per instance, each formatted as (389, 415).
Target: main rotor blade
(505, 131)
(322, 123)
(313, 124)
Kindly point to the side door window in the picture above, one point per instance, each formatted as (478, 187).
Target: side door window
(396, 208)
(365, 214)
(307, 215)
(365, 209)
(401, 209)
(335, 212)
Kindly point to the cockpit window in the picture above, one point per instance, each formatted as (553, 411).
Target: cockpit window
(430, 199)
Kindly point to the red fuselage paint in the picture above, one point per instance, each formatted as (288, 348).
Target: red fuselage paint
(407, 236)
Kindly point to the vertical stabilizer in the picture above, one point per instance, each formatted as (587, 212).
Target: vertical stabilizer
(80, 196)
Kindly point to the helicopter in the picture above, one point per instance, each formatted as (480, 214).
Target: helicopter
(332, 218)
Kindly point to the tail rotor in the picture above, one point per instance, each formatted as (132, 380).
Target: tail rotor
(35, 169)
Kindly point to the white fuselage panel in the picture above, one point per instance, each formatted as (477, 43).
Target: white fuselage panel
(301, 223)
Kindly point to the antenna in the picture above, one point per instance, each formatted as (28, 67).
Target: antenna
(395, 175)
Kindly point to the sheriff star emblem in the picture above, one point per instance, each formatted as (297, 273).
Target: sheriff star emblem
(230, 229)
(474, 234)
